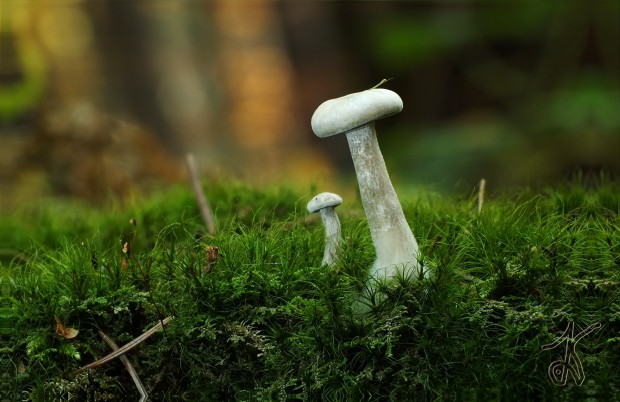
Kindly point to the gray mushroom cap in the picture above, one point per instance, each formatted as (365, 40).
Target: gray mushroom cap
(324, 200)
(343, 114)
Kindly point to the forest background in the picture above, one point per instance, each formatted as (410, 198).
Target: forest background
(99, 98)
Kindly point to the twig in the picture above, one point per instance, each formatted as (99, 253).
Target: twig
(383, 81)
(127, 347)
(481, 191)
(203, 204)
(132, 371)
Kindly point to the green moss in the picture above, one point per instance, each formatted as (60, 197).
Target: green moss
(264, 321)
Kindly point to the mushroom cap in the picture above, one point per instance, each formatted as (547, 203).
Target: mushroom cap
(343, 114)
(324, 200)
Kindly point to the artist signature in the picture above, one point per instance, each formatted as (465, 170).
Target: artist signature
(569, 364)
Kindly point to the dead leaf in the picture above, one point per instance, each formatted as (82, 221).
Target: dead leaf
(213, 254)
(67, 333)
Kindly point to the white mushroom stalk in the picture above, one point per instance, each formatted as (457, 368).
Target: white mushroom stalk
(325, 204)
(355, 114)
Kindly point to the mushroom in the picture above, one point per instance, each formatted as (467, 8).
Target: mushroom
(325, 203)
(355, 114)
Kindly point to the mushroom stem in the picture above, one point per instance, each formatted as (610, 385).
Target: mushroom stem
(333, 236)
(395, 246)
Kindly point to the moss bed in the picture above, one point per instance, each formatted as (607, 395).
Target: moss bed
(259, 319)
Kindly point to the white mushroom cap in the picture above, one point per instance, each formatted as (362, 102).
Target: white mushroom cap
(324, 200)
(343, 114)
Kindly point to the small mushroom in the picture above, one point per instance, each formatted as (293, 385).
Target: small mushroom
(355, 115)
(325, 203)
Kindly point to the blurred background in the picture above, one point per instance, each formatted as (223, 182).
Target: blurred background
(100, 98)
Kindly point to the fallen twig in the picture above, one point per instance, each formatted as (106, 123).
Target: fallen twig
(201, 199)
(128, 346)
(481, 191)
(132, 371)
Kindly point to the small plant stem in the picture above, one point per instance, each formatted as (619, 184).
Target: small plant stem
(481, 190)
(148, 289)
(201, 199)
(130, 368)
(383, 81)
(128, 346)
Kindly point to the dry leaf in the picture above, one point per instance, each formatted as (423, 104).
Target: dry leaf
(67, 333)
(213, 254)
(71, 333)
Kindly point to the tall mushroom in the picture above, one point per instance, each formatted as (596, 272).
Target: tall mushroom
(355, 115)
(325, 203)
